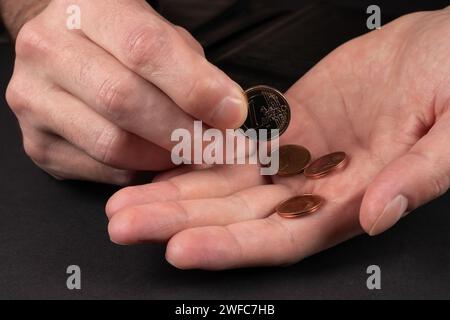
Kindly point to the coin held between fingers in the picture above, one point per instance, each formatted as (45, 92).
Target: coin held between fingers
(268, 109)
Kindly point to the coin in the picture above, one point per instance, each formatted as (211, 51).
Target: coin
(325, 165)
(299, 206)
(292, 159)
(267, 109)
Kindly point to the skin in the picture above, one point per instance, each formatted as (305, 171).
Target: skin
(383, 98)
(100, 103)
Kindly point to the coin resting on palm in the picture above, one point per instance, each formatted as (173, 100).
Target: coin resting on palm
(267, 109)
(325, 165)
(292, 159)
(299, 206)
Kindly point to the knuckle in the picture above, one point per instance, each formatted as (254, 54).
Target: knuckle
(190, 39)
(183, 31)
(113, 97)
(147, 47)
(106, 145)
(439, 187)
(437, 182)
(199, 94)
(440, 181)
(38, 152)
(15, 97)
(31, 40)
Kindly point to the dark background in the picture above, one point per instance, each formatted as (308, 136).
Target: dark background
(47, 225)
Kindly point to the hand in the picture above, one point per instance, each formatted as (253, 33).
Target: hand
(383, 98)
(100, 102)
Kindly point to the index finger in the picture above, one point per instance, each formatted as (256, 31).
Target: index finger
(151, 47)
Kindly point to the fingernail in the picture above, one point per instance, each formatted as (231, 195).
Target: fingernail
(231, 112)
(392, 213)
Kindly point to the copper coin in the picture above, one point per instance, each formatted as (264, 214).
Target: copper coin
(267, 109)
(326, 164)
(292, 159)
(299, 206)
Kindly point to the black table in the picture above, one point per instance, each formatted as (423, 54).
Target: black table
(47, 225)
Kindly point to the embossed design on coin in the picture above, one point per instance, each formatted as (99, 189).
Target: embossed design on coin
(267, 109)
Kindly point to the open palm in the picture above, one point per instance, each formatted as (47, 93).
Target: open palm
(382, 98)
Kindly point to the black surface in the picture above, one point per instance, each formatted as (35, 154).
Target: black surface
(46, 225)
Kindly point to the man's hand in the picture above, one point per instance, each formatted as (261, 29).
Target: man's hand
(102, 101)
(383, 98)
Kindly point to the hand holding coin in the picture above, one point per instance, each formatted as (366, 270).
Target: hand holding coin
(390, 116)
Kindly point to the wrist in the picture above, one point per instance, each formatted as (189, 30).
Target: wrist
(15, 13)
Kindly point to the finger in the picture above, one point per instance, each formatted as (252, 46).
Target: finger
(115, 92)
(190, 40)
(68, 117)
(155, 50)
(64, 161)
(159, 221)
(182, 169)
(186, 35)
(215, 182)
(263, 242)
(409, 181)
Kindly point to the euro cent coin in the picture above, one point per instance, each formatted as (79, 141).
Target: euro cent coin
(292, 159)
(300, 205)
(325, 165)
(267, 109)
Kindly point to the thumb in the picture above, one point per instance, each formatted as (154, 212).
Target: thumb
(408, 182)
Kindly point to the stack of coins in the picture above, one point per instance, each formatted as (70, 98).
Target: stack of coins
(269, 109)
